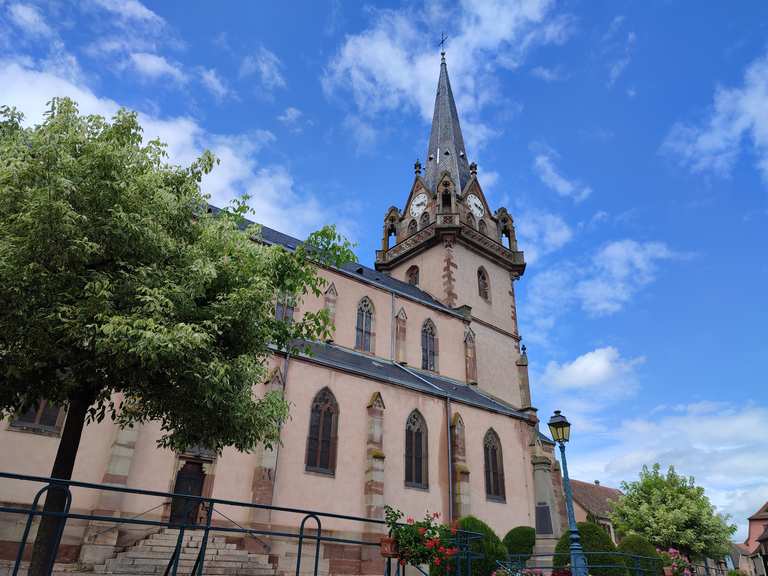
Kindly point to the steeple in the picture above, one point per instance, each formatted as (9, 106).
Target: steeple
(446, 144)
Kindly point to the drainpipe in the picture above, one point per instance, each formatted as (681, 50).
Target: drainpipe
(448, 433)
(392, 328)
(277, 447)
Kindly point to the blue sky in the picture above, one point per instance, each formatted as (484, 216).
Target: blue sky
(628, 139)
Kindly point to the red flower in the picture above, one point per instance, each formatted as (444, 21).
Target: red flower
(409, 520)
(437, 561)
(454, 530)
(422, 531)
(430, 544)
(441, 549)
(402, 562)
(436, 515)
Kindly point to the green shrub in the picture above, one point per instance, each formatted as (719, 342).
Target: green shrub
(520, 542)
(489, 546)
(636, 545)
(594, 540)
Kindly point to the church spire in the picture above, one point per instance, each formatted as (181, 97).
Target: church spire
(446, 144)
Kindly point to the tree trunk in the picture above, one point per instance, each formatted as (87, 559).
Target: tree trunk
(51, 527)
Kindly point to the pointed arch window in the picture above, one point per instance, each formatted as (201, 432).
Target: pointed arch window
(412, 227)
(470, 357)
(364, 329)
(322, 437)
(416, 460)
(483, 227)
(412, 275)
(483, 285)
(425, 220)
(429, 346)
(494, 466)
(285, 308)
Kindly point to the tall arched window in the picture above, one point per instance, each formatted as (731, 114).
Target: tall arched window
(412, 227)
(429, 346)
(470, 357)
(483, 286)
(412, 275)
(483, 227)
(416, 463)
(494, 466)
(322, 437)
(364, 328)
(425, 220)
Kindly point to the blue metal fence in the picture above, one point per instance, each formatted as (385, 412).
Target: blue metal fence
(310, 526)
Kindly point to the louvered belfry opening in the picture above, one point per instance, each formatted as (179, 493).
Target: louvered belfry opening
(322, 438)
(416, 461)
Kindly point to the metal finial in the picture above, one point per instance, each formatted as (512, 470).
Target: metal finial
(524, 350)
(473, 169)
(417, 167)
(443, 38)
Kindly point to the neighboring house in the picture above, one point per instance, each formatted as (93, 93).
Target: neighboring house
(426, 348)
(594, 503)
(751, 557)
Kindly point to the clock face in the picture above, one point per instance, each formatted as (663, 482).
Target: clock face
(418, 205)
(476, 205)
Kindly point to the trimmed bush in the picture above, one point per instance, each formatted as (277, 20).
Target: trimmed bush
(594, 539)
(490, 546)
(636, 545)
(520, 542)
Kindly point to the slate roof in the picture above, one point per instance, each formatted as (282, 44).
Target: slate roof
(336, 357)
(446, 149)
(761, 514)
(594, 498)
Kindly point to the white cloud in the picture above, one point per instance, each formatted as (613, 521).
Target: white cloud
(600, 287)
(28, 18)
(279, 203)
(738, 115)
(213, 82)
(547, 74)
(711, 441)
(156, 67)
(131, 11)
(544, 166)
(393, 65)
(618, 49)
(362, 132)
(267, 66)
(540, 233)
(293, 119)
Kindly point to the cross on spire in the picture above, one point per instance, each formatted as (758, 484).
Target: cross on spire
(443, 38)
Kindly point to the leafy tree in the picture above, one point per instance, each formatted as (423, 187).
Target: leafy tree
(121, 295)
(598, 547)
(672, 512)
(519, 541)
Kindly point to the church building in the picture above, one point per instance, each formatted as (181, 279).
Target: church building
(421, 400)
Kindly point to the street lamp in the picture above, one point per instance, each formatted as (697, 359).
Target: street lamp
(560, 429)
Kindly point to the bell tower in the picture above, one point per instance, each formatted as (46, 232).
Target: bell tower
(447, 239)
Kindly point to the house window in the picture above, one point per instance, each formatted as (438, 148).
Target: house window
(322, 437)
(412, 275)
(43, 417)
(412, 227)
(429, 346)
(416, 451)
(483, 286)
(494, 466)
(284, 309)
(364, 327)
(425, 220)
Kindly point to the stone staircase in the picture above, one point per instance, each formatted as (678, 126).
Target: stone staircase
(150, 556)
(286, 552)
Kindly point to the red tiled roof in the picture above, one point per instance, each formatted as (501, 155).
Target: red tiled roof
(594, 498)
(761, 514)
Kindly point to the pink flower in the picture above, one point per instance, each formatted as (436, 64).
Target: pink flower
(409, 520)
(436, 515)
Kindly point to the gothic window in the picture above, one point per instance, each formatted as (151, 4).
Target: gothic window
(416, 462)
(413, 275)
(483, 227)
(483, 286)
(429, 346)
(42, 417)
(471, 220)
(494, 466)
(425, 220)
(364, 328)
(470, 356)
(322, 437)
(284, 309)
(412, 227)
(446, 201)
(400, 334)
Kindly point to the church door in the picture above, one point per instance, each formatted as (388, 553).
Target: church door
(189, 480)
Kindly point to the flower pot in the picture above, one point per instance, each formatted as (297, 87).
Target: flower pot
(668, 571)
(388, 547)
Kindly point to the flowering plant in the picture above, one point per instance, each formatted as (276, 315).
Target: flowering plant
(678, 562)
(424, 541)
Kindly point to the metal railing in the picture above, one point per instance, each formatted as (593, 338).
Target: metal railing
(309, 527)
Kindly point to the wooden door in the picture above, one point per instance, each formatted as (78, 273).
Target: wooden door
(189, 480)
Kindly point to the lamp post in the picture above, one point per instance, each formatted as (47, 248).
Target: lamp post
(560, 429)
